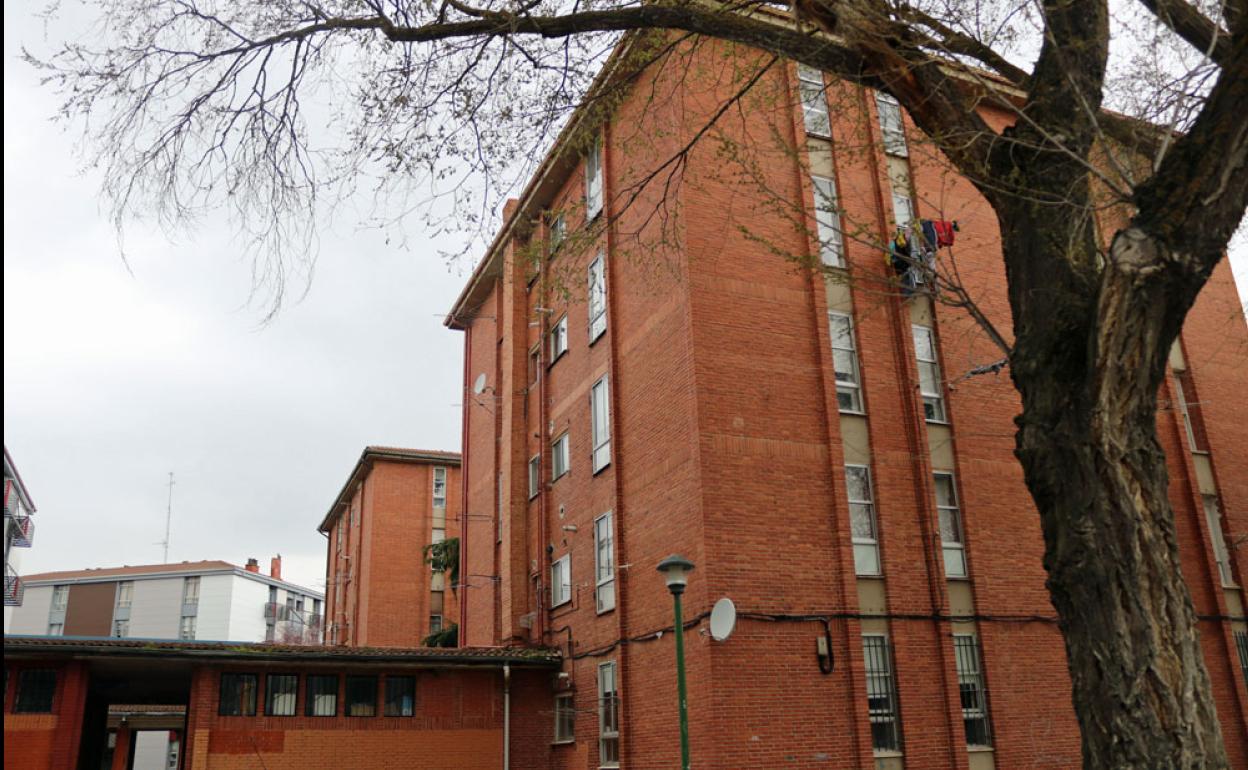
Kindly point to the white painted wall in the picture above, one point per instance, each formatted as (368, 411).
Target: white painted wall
(151, 750)
(215, 597)
(247, 600)
(32, 616)
(156, 608)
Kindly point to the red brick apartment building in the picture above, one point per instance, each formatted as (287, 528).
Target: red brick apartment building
(379, 591)
(702, 375)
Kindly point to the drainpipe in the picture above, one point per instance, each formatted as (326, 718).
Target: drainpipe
(506, 716)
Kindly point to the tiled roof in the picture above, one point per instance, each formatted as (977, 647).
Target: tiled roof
(142, 569)
(417, 453)
(161, 648)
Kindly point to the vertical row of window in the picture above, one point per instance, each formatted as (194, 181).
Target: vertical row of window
(190, 608)
(437, 586)
(238, 695)
(121, 609)
(56, 612)
(1213, 516)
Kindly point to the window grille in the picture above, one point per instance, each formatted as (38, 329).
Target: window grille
(973, 693)
(280, 693)
(238, 695)
(322, 697)
(36, 690)
(881, 694)
(400, 696)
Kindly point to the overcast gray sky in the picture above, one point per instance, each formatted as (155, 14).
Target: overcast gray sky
(113, 379)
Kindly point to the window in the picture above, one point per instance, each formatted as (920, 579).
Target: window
(238, 695)
(535, 475)
(56, 629)
(439, 487)
(593, 180)
(565, 718)
(437, 608)
(322, 697)
(560, 458)
(894, 133)
(600, 423)
(361, 692)
(971, 687)
(827, 221)
(1184, 389)
(1213, 515)
(558, 231)
(60, 598)
(608, 717)
(280, 693)
(400, 696)
(950, 525)
(862, 520)
(845, 363)
(903, 211)
(559, 338)
(535, 364)
(435, 623)
(1241, 645)
(186, 630)
(881, 694)
(125, 594)
(36, 688)
(190, 590)
(121, 628)
(604, 562)
(597, 299)
(814, 103)
(929, 374)
(561, 580)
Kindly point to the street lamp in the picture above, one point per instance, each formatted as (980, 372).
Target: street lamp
(676, 571)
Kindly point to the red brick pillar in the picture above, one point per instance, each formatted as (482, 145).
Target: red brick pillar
(121, 751)
(70, 707)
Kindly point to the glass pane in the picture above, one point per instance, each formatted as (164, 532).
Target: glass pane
(923, 344)
(933, 409)
(929, 378)
(847, 400)
(841, 335)
(955, 562)
(857, 483)
(950, 532)
(843, 363)
(861, 521)
(400, 696)
(944, 491)
(866, 559)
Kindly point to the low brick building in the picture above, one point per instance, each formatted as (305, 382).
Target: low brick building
(379, 590)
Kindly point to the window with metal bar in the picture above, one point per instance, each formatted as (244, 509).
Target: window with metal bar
(930, 385)
(881, 694)
(280, 693)
(322, 695)
(36, 690)
(361, 694)
(400, 696)
(814, 103)
(565, 718)
(951, 542)
(608, 716)
(1241, 645)
(974, 694)
(238, 695)
(862, 521)
(845, 362)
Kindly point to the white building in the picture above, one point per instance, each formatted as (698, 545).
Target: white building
(19, 532)
(206, 600)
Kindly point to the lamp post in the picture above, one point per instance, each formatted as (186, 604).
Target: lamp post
(676, 571)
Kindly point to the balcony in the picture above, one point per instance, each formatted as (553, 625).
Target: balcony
(21, 526)
(13, 588)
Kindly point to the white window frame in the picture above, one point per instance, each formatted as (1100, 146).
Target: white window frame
(968, 660)
(558, 338)
(903, 208)
(812, 93)
(535, 475)
(949, 512)
(1213, 517)
(439, 478)
(190, 590)
(56, 629)
(600, 422)
(561, 581)
(881, 685)
(597, 301)
(121, 629)
(848, 383)
(892, 126)
(1180, 402)
(560, 457)
(933, 400)
(558, 232)
(565, 706)
(60, 598)
(867, 560)
(608, 713)
(593, 179)
(604, 563)
(828, 221)
(125, 594)
(188, 627)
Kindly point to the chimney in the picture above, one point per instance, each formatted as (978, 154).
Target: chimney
(275, 567)
(252, 565)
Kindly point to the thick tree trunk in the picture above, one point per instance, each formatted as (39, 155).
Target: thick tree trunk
(1088, 362)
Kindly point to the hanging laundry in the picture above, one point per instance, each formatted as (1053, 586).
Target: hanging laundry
(900, 250)
(930, 238)
(944, 232)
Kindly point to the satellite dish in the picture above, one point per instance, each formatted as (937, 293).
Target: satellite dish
(723, 619)
(478, 385)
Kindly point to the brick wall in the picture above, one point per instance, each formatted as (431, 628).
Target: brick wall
(45, 741)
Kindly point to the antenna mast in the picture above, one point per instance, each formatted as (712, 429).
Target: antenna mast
(168, 519)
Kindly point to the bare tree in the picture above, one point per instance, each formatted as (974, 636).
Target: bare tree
(191, 104)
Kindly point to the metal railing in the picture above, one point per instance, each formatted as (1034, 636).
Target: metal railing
(14, 588)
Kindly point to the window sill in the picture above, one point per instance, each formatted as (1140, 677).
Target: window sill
(935, 422)
(560, 605)
(568, 742)
(852, 413)
(603, 468)
(886, 754)
(607, 611)
(1201, 452)
(555, 360)
(595, 337)
(958, 578)
(983, 749)
(875, 576)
